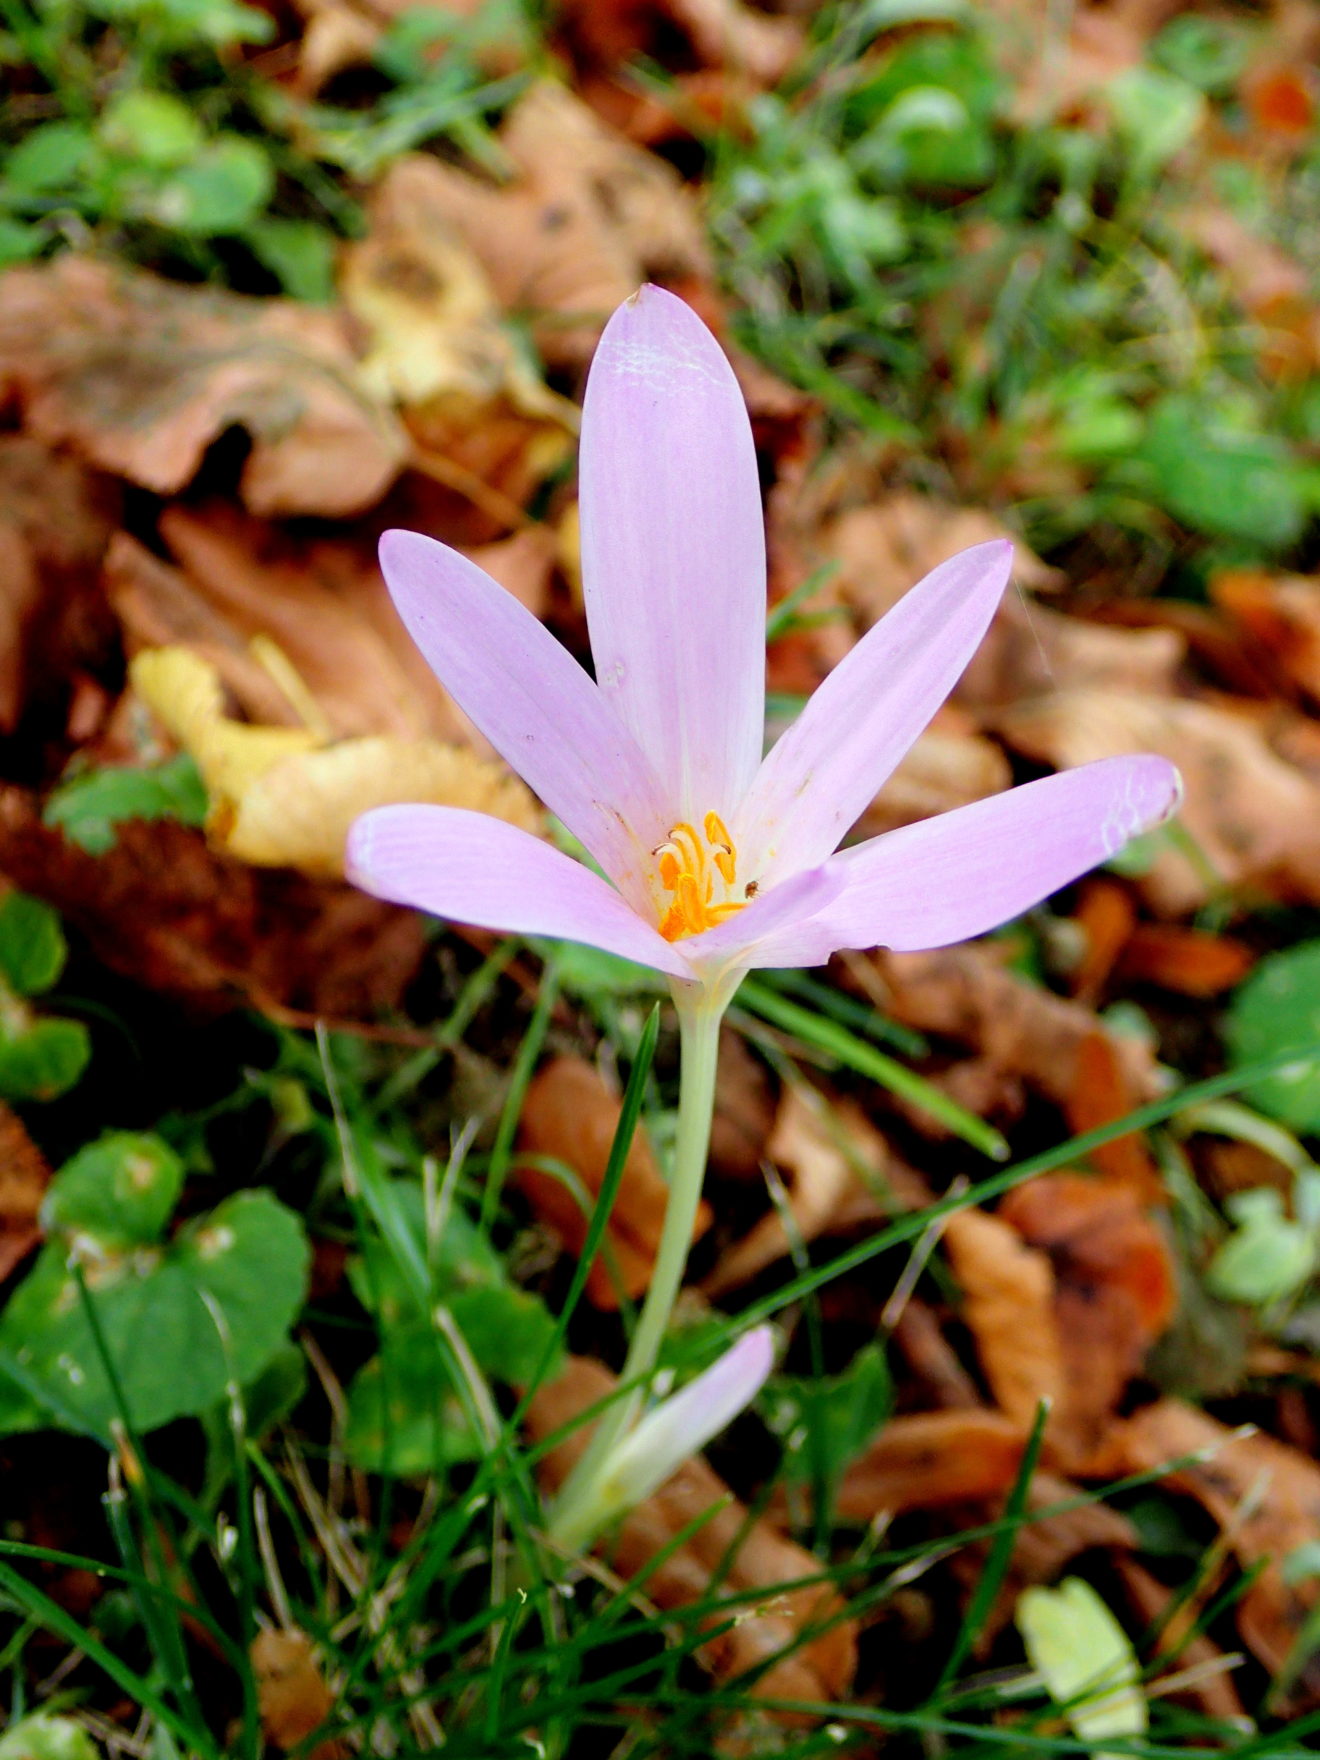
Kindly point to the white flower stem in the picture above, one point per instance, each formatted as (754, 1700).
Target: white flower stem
(577, 1513)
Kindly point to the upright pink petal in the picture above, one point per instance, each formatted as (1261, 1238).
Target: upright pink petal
(673, 551)
(864, 717)
(533, 702)
(968, 871)
(471, 868)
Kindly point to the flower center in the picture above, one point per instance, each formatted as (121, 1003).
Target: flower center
(691, 866)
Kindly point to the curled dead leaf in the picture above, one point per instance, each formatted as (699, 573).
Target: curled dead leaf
(1264, 1495)
(570, 1115)
(282, 797)
(1255, 818)
(1008, 1291)
(929, 1459)
(966, 993)
(729, 1555)
(140, 375)
(292, 1694)
(24, 1176)
(586, 220)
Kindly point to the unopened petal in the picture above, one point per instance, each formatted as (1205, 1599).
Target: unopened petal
(673, 551)
(861, 721)
(682, 1425)
(470, 868)
(531, 699)
(971, 870)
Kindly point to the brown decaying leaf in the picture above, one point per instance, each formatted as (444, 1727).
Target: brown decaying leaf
(1211, 1688)
(1008, 1304)
(140, 375)
(1281, 615)
(747, 1554)
(433, 327)
(884, 548)
(24, 1176)
(1106, 916)
(1189, 962)
(323, 604)
(839, 1173)
(930, 1459)
(1264, 1495)
(1115, 1293)
(175, 916)
(55, 522)
(1102, 1096)
(292, 1694)
(723, 34)
(587, 218)
(570, 1115)
(1032, 650)
(965, 993)
(281, 797)
(949, 766)
(1255, 818)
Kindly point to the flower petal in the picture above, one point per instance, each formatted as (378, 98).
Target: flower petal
(683, 1424)
(736, 942)
(673, 551)
(475, 869)
(864, 717)
(968, 871)
(532, 700)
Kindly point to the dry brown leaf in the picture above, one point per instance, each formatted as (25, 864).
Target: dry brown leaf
(840, 1174)
(282, 797)
(722, 34)
(139, 376)
(929, 1459)
(1008, 1291)
(24, 1176)
(433, 326)
(323, 603)
(947, 767)
(1255, 818)
(1031, 650)
(748, 1555)
(292, 1694)
(1210, 1688)
(883, 549)
(1282, 614)
(744, 1109)
(1105, 915)
(570, 1115)
(1102, 1096)
(1190, 962)
(1265, 1497)
(55, 522)
(174, 916)
(587, 219)
(523, 565)
(965, 993)
(1115, 1292)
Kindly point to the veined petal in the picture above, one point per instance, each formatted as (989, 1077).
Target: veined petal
(863, 718)
(673, 551)
(532, 700)
(474, 869)
(683, 1424)
(970, 870)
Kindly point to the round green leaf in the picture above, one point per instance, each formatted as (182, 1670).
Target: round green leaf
(120, 1190)
(32, 945)
(48, 158)
(153, 128)
(224, 189)
(1278, 1007)
(45, 1060)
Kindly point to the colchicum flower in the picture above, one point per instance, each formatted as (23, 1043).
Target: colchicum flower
(717, 860)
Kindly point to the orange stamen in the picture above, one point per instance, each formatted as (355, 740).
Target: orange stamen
(689, 865)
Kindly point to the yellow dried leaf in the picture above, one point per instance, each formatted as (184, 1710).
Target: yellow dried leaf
(286, 796)
(298, 813)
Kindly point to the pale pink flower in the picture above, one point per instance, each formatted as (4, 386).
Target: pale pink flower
(718, 860)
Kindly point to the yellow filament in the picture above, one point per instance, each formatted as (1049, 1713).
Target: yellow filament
(687, 865)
